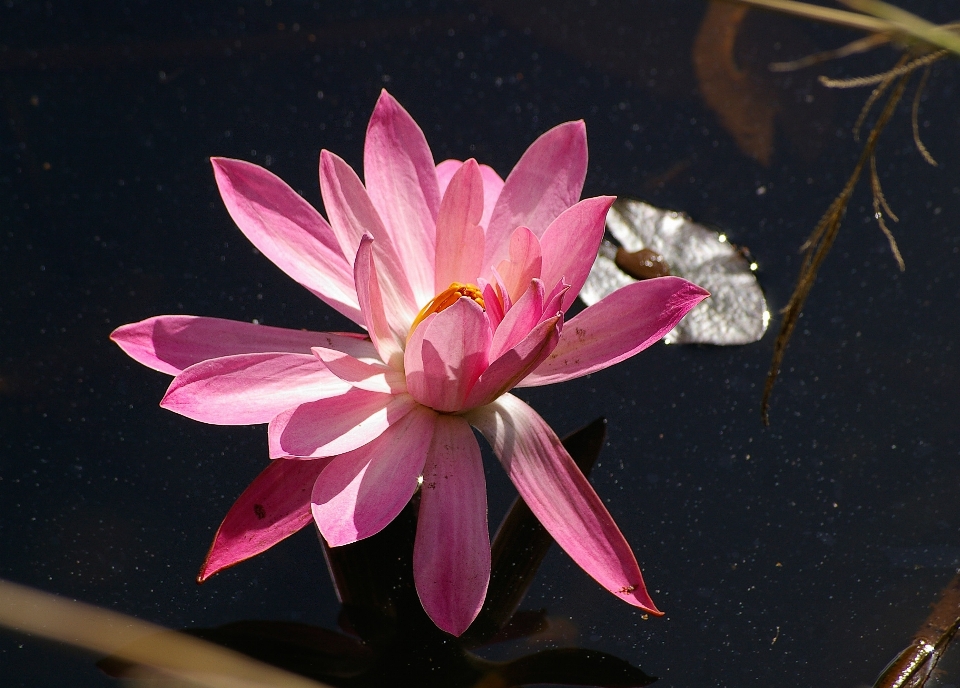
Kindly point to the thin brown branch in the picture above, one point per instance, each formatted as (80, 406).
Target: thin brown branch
(914, 119)
(819, 245)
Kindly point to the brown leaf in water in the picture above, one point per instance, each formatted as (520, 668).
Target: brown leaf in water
(746, 107)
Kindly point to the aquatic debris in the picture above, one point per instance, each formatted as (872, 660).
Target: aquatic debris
(916, 662)
(736, 312)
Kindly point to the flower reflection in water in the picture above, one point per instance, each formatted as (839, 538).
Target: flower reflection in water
(387, 638)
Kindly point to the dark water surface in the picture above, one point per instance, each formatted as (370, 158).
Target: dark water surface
(804, 554)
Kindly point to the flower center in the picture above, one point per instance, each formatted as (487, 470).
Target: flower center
(445, 299)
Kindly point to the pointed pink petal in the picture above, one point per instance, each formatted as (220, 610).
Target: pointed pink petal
(172, 343)
(288, 231)
(546, 181)
(451, 554)
(328, 427)
(570, 244)
(446, 355)
(560, 497)
(360, 492)
(523, 265)
(624, 323)
(459, 236)
(402, 183)
(445, 172)
(553, 302)
(273, 507)
(387, 340)
(492, 305)
(372, 376)
(505, 372)
(517, 323)
(358, 346)
(351, 216)
(492, 186)
(249, 388)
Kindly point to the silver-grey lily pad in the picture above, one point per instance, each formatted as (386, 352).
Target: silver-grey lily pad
(735, 313)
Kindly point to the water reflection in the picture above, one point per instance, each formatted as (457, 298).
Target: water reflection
(386, 638)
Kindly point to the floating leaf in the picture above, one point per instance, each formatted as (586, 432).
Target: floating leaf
(652, 239)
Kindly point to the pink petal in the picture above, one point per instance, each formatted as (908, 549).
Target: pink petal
(492, 305)
(351, 216)
(288, 231)
(372, 376)
(249, 388)
(546, 181)
(505, 372)
(451, 555)
(523, 265)
(621, 325)
(445, 172)
(446, 354)
(559, 496)
(328, 427)
(402, 183)
(459, 236)
(171, 343)
(384, 337)
(273, 507)
(570, 244)
(492, 185)
(358, 346)
(360, 492)
(517, 323)
(553, 302)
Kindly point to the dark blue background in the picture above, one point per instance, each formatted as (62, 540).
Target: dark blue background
(802, 554)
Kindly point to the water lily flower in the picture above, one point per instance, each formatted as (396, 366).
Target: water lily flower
(461, 281)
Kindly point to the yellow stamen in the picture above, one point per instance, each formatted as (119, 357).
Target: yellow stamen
(445, 299)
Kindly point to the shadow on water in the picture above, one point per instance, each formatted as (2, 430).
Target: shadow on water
(386, 638)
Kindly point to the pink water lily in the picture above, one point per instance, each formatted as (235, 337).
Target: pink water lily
(460, 280)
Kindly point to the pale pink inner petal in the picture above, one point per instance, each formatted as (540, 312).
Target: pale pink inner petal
(451, 554)
(492, 185)
(560, 497)
(523, 265)
(492, 306)
(570, 244)
(445, 172)
(388, 341)
(446, 354)
(360, 492)
(546, 180)
(288, 231)
(623, 324)
(553, 302)
(332, 426)
(518, 322)
(402, 182)
(505, 372)
(172, 343)
(362, 374)
(249, 388)
(351, 216)
(459, 236)
(273, 507)
(358, 346)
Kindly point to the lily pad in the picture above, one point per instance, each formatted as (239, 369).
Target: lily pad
(665, 241)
